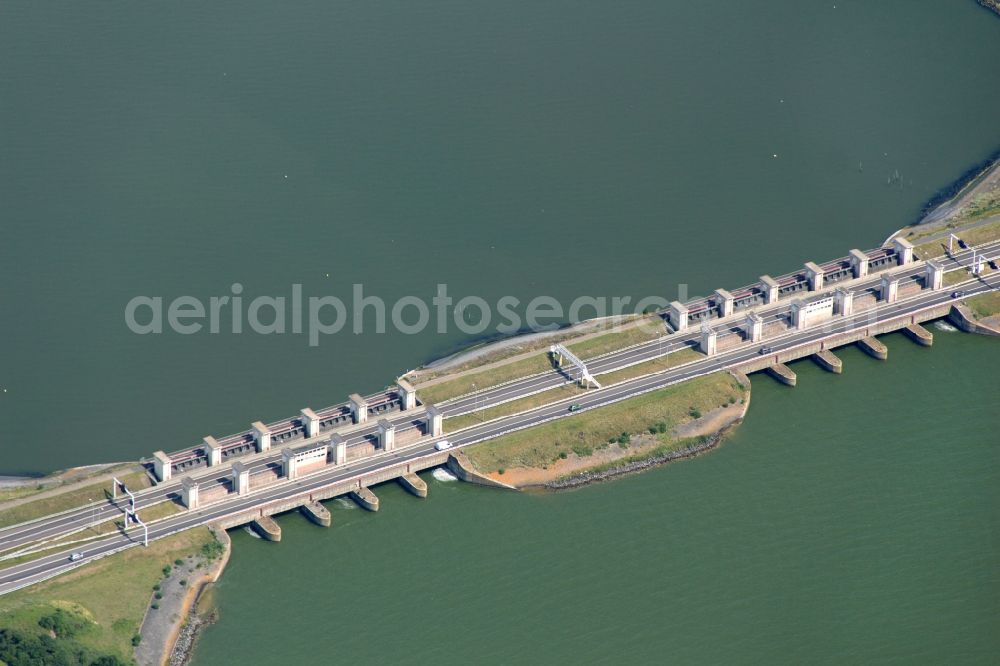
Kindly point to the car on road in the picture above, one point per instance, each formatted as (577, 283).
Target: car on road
(575, 407)
(75, 556)
(442, 445)
(957, 294)
(764, 350)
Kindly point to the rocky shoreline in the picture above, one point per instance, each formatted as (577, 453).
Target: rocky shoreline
(691, 451)
(188, 636)
(195, 620)
(993, 5)
(170, 633)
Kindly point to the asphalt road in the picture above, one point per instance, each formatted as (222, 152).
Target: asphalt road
(79, 519)
(30, 572)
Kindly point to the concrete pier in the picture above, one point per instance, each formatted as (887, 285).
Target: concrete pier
(754, 327)
(770, 287)
(798, 314)
(709, 340)
(889, 289)
(189, 493)
(725, 300)
(859, 263)
(316, 513)
(162, 466)
(289, 465)
(933, 275)
(365, 498)
(414, 484)
(261, 436)
(843, 302)
(874, 348)
(904, 251)
(359, 408)
(783, 374)
(815, 276)
(434, 422)
(240, 478)
(267, 528)
(338, 449)
(212, 451)
(919, 334)
(386, 435)
(827, 360)
(678, 316)
(407, 394)
(310, 421)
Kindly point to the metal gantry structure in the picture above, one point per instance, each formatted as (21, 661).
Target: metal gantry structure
(951, 240)
(114, 492)
(586, 379)
(132, 516)
(977, 262)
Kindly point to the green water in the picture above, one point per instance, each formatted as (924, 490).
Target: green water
(823, 531)
(513, 148)
(516, 148)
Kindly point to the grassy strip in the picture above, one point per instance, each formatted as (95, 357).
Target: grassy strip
(648, 329)
(562, 392)
(512, 407)
(672, 360)
(107, 598)
(595, 429)
(484, 379)
(154, 513)
(18, 492)
(977, 236)
(984, 305)
(45, 506)
(516, 349)
(954, 277)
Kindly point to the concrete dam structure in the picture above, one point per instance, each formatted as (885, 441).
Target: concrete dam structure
(351, 448)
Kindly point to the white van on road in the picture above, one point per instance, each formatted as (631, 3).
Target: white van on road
(442, 445)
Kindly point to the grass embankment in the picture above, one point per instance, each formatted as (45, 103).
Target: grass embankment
(657, 413)
(679, 357)
(484, 379)
(984, 305)
(508, 351)
(102, 604)
(17, 492)
(974, 236)
(955, 277)
(513, 407)
(562, 392)
(63, 478)
(70, 499)
(644, 331)
(148, 516)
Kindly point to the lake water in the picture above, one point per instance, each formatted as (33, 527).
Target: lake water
(510, 148)
(518, 149)
(851, 519)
